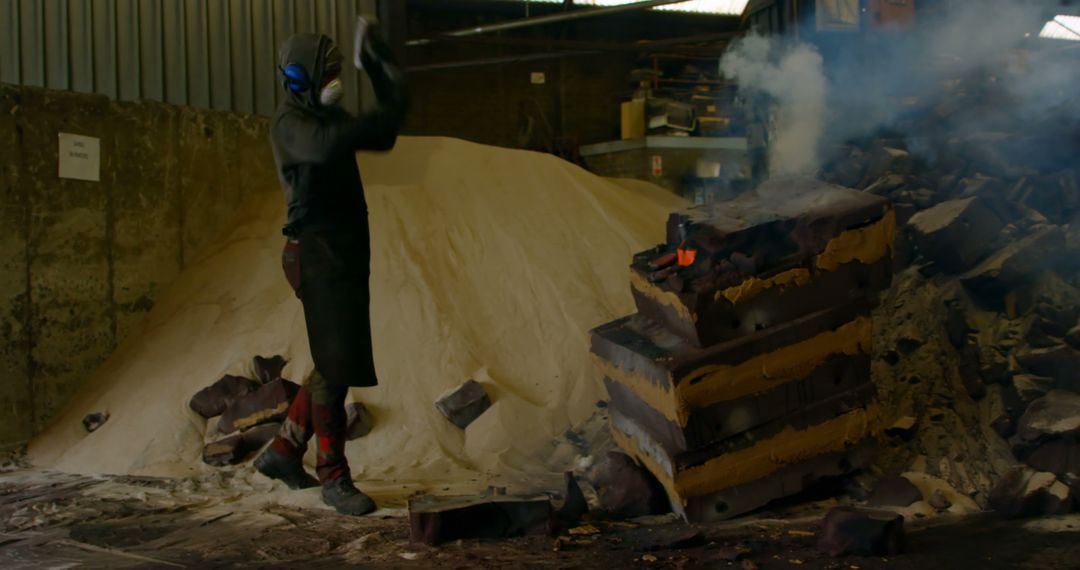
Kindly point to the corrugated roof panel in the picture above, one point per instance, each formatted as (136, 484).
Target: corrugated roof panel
(31, 32)
(9, 42)
(206, 53)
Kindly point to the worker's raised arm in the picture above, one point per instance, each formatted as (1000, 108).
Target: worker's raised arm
(316, 138)
(378, 129)
(312, 128)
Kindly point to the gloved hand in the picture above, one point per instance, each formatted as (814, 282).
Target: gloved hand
(373, 55)
(370, 50)
(363, 29)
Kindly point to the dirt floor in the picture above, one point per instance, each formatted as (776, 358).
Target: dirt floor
(67, 521)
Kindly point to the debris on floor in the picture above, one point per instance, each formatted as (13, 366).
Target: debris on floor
(1025, 492)
(358, 420)
(865, 532)
(464, 404)
(228, 450)
(243, 414)
(903, 428)
(627, 490)
(575, 506)
(435, 520)
(894, 492)
(94, 420)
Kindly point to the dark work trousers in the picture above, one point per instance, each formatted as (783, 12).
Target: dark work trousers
(329, 272)
(333, 286)
(318, 409)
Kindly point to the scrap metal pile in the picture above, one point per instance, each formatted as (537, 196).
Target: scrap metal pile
(981, 334)
(745, 374)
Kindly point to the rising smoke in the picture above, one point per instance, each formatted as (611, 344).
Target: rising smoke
(865, 85)
(796, 82)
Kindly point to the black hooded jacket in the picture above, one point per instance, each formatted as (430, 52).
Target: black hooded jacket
(315, 146)
(315, 150)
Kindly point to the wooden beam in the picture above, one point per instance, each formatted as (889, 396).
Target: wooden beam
(673, 44)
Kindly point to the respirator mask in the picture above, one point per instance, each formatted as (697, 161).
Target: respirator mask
(332, 88)
(328, 66)
(332, 92)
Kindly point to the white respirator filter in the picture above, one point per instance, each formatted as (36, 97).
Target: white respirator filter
(332, 93)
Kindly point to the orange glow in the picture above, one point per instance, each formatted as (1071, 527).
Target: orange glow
(686, 256)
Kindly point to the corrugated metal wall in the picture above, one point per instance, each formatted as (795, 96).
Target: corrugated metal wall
(220, 54)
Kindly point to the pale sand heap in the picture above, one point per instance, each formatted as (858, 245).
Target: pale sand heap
(487, 263)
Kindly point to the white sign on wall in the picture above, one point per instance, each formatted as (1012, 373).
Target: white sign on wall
(80, 157)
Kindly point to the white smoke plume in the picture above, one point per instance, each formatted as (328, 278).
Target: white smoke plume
(862, 89)
(795, 81)
(968, 37)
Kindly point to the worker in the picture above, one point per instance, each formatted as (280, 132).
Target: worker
(327, 250)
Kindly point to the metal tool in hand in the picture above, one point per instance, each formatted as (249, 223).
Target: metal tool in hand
(364, 25)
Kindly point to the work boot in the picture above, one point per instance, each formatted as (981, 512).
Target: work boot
(341, 494)
(284, 468)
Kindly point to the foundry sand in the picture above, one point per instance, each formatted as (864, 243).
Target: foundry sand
(487, 263)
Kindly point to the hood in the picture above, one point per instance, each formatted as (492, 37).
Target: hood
(309, 51)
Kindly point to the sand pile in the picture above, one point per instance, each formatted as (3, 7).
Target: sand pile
(487, 263)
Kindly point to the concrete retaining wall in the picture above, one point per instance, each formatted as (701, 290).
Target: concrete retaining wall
(82, 262)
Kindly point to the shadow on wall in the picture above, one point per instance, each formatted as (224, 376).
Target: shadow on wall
(81, 262)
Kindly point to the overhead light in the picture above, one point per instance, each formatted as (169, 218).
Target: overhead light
(717, 7)
(723, 7)
(1062, 28)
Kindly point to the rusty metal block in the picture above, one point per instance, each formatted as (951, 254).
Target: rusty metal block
(270, 403)
(894, 492)
(464, 404)
(1060, 457)
(358, 420)
(956, 234)
(1015, 263)
(864, 532)
(1057, 414)
(226, 451)
(215, 398)
(268, 368)
(434, 520)
(260, 435)
(627, 490)
(1024, 492)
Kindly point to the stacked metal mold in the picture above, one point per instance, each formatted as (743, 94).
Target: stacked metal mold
(745, 374)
